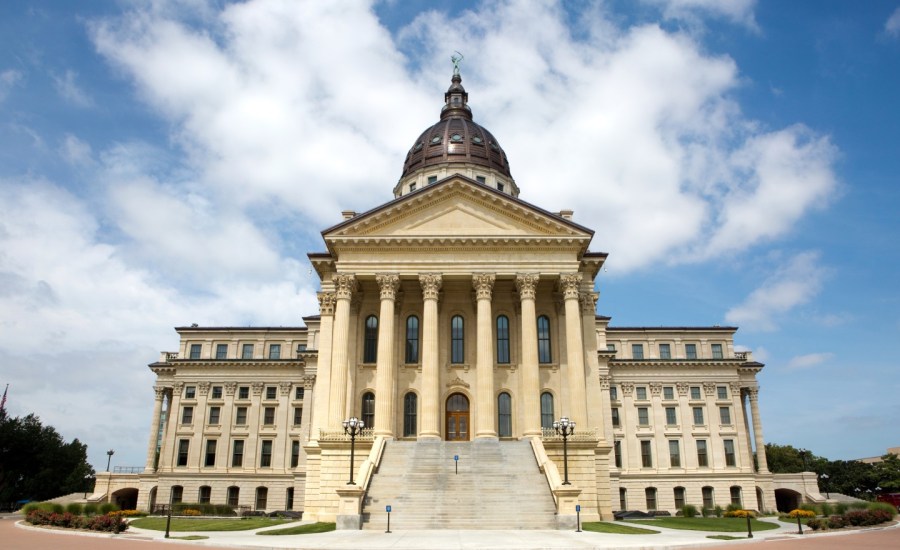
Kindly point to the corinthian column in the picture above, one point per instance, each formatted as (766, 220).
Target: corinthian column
(568, 285)
(322, 388)
(344, 287)
(431, 427)
(526, 283)
(154, 429)
(483, 283)
(384, 373)
(757, 431)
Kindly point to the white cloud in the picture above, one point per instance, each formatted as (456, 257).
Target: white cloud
(892, 25)
(792, 285)
(8, 79)
(67, 87)
(737, 11)
(808, 361)
(75, 151)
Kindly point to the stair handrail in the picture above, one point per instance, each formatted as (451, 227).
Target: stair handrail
(371, 462)
(547, 467)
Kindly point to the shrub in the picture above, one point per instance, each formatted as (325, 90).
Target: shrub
(739, 514)
(808, 507)
(74, 508)
(90, 509)
(191, 512)
(58, 508)
(836, 522)
(718, 511)
(826, 509)
(689, 511)
(127, 513)
(815, 524)
(732, 508)
(859, 505)
(31, 507)
(799, 513)
(111, 524)
(706, 512)
(108, 507)
(840, 508)
(886, 506)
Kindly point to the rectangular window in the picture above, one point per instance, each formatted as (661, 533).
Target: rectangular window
(665, 352)
(708, 501)
(271, 392)
(637, 351)
(650, 494)
(240, 416)
(646, 457)
(698, 416)
(269, 416)
(221, 351)
(432, 179)
(237, 454)
(668, 393)
(721, 392)
(717, 351)
(177, 494)
(725, 415)
(214, 415)
(295, 453)
(499, 186)
(210, 459)
(613, 393)
(183, 446)
(289, 505)
(679, 498)
(695, 392)
(641, 393)
(244, 392)
(190, 392)
(274, 351)
(480, 179)
(187, 415)
(615, 417)
(412, 187)
(233, 494)
(298, 415)
(729, 452)
(617, 447)
(216, 392)
(205, 494)
(736, 496)
(643, 417)
(265, 454)
(298, 393)
(610, 347)
(623, 498)
(702, 458)
(195, 351)
(247, 351)
(690, 351)
(674, 453)
(671, 419)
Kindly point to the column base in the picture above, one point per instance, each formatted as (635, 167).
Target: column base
(429, 435)
(487, 436)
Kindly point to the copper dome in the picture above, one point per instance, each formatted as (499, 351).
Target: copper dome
(456, 138)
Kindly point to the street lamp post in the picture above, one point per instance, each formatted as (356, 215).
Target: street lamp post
(825, 484)
(109, 454)
(87, 484)
(565, 428)
(353, 427)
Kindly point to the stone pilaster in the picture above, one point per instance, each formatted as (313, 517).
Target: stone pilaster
(385, 377)
(483, 283)
(345, 287)
(569, 284)
(322, 387)
(526, 283)
(154, 428)
(430, 427)
(758, 431)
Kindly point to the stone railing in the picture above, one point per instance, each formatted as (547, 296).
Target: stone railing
(549, 434)
(367, 434)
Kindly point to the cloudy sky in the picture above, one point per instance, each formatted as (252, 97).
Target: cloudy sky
(166, 163)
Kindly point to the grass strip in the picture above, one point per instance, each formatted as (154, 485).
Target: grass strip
(213, 524)
(724, 537)
(717, 525)
(190, 537)
(616, 528)
(307, 529)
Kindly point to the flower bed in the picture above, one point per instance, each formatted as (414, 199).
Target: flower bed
(853, 518)
(109, 523)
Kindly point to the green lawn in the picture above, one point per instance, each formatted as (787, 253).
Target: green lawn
(212, 524)
(721, 525)
(301, 529)
(617, 528)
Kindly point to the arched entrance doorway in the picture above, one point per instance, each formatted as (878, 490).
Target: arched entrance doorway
(457, 418)
(787, 500)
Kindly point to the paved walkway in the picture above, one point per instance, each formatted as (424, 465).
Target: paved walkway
(20, 536)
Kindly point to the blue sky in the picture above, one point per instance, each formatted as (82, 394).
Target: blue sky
(165, 163)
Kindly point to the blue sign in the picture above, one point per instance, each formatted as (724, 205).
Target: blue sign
(456, 457)
(577, 507)
(387, 508)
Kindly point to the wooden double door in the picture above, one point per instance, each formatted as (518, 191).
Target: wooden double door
(457, 422)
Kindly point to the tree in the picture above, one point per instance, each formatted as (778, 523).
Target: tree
(785, 459)
(887, 472)
(36, 463)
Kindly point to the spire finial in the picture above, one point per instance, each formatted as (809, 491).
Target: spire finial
(456, 58)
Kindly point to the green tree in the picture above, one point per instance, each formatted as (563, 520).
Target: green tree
(887, 473)
(786, 459)
(36, 463)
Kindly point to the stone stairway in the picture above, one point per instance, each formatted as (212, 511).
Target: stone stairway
(498, 486)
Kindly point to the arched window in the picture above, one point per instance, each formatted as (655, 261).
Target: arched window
(502, 339)
(370, 348)
(410, 405)
(736, 495)
(457, 340)
(546, 410)
(234, 494)
(412, 339)
(650, 493)
(545, 354)
(504, 415)
(205, 494)
(708, 501)
(262, 498)
(368, 409)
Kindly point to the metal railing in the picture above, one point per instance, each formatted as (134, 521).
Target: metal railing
(128, 469)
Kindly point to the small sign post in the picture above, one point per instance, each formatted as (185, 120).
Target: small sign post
(388, 510)
(456, 463)
(578, 518)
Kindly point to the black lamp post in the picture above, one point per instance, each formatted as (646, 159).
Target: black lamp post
(87, 484)
(824, 478)
(109, 454)
(565, 428)
(353, 427)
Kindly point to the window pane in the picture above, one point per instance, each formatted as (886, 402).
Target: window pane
(690, 351)
(725, 415)
(617, 448)
(637, 351)
(698, 416)
(671, 419)
(183, 445)
(546, 410)
(502, 339)
(545, 354)
(368, 409)
(210, 453)
(641, 393)
(271, 392)
(269, 416)
(195, 351)
(247, 351)
(668, 392)
(370, 351)
(409, 414)
(295, 453)
(298, 416)
(265, 454)
(650, 493)
(695, 392)
(643, 417)
(615, 417)
(722, 392)
(717, 351)
(729, 452)
(702, 459)
(217, 392)
(240, 416)
(674, 453)
(646, 457)
(221, 351)
(412, 339)
(237, 455)
(504, 415)
(664, 351)
(275, 351)
(679, 498)
(457, 349)
(233, 496)
(214, 415)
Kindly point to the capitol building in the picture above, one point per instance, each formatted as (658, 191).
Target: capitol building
(458, 323)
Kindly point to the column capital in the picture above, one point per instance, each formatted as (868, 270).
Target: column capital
(285, 388)
(709, 388)
(483, 283)
(308, 382)
(159, 392)
(431, 285)
(569, 284)
(753, 392)
(229, 388)
(326, 303)
(526, 283)
(627, 388)
(589, 302)
(388, 283)
(203, 389)
(177, 387)
(257, 388)
(605, 382)
(735, 388)
(655, 388)
(682, 388)
(344, 285)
